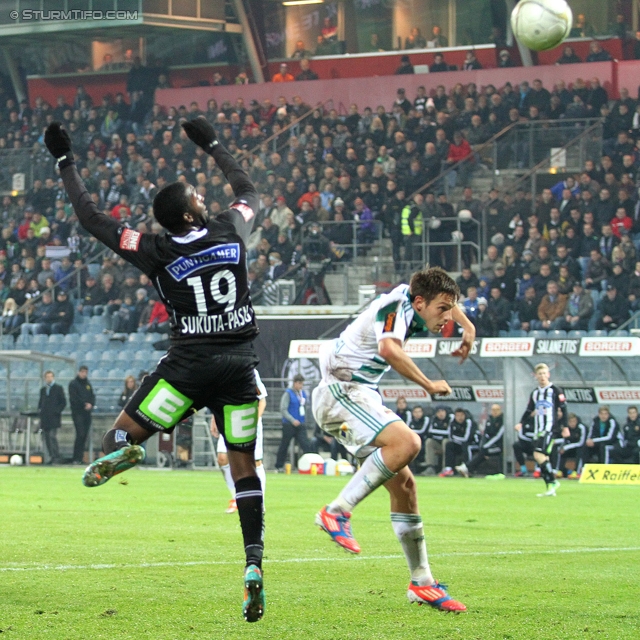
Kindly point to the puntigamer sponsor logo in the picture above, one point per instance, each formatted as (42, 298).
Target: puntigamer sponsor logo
(184, 266)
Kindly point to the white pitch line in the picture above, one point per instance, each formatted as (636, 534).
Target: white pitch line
(197, 563)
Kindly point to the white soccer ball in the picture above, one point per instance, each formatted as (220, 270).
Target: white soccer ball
(434, 223)
(457, 236)
(464, 215)
(541, 24)
(15, 460)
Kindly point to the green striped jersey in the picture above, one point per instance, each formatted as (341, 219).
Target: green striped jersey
(388, 316)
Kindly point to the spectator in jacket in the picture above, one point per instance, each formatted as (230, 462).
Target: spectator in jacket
(82, 400)
(500, 309)
(572, 443)
(551, 309)
(158, 319)
(462, 436)
(93, 298)
(130, 387)
(283, 75)
(628, 451)
(419, 424)
(51, 405)
(459, 149)
(40, 316)
(405, 68)
(621, 222)
(485, 321)
(293, 408)
(596, 274)
(490, 442)
(62, 314)
(613, 310)
(403, 411)
(437, 437)
(527, 309)
(579, 309)
(602, 437)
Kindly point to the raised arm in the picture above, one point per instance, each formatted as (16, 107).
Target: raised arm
(243, 209)
(125, 242)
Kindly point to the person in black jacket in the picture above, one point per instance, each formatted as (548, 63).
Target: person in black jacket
(462, 434)
(82, 400)
(130, 387)
(629, 451)
(51, 405)
(62, 314)
(437, 438)
(419, 424)
(602, 437)
(490, 442)
(613, 308)
(571, 445)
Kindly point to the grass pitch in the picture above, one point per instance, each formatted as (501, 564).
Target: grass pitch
(152, 555)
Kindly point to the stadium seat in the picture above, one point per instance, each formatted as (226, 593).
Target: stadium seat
(577, 333)
(123, 356)
(558, 333)
(92, 357)
(538, 333)
(86, 338)
(55, 339)
(115, 374)
(135, 338)
(39, 342)
(517, 333)
(153, 337)
(23, 342)
(7, 342)
(71, 339)
(621, 333)
(598, 333)
(99, 373)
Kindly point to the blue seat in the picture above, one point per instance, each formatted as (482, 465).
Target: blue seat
(123, 356)
(86, 338)
(71, 339)
(577, 333)
(558, 333)
(621, 333)
(99, 373)
(7, 342)
(152, 337)
(141, 356)
(23, 342)
(55, 339)
(598, 333)
(106, 356)
(538, 333)
(39, 341)
(135, 338)
(115, 374)
(92, 357)
(517, 333)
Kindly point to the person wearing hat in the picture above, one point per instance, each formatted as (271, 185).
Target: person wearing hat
(82, 400)
(62, 313)
(579, 309)
(402, 102)
(505, 60)
(613, 310)
(485, 321)
(405, 67)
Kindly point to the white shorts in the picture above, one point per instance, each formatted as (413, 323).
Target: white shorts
(352, 413)
(221, 447)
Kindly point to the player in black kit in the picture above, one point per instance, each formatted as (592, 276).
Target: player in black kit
(199, 269)
(547, 408)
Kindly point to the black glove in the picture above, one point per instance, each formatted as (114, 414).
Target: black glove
(201, 132)
(57, 140)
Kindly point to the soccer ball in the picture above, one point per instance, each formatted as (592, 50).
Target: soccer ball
(465, 215)
(541, 24)
(15, 460)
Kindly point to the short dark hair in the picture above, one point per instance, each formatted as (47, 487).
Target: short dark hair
(298, 378)
(170, 204)
(431, 282)
(83, 368)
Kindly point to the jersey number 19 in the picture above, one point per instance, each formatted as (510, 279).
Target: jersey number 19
(215, 287)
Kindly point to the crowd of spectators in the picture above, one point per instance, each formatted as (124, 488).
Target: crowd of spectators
(317, 179)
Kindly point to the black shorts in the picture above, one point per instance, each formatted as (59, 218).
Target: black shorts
(544, 444)
(189, 378)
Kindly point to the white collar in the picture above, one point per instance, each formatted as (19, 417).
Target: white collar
(192, 236)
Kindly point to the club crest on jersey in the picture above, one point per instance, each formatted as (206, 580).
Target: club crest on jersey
(184, 266)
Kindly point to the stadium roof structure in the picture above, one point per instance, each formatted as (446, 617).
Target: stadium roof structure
(81, 19)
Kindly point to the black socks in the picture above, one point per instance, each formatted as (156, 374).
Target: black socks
(249, 501)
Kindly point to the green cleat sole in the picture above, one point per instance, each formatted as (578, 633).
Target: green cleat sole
(103, 469)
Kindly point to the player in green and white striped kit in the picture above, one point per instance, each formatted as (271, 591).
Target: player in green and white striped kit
(347, 405)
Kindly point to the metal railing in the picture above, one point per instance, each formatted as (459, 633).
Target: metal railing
(16, 171)
(531, 142)
(457, 246)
